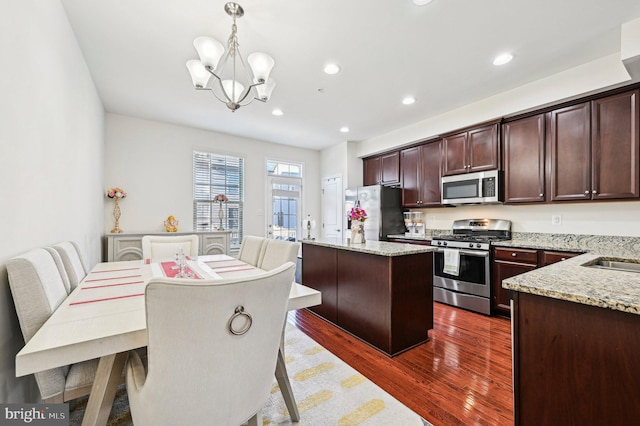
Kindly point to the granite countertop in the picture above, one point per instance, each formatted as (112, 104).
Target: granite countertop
(381, 248)
(572, 279)
(426, 237)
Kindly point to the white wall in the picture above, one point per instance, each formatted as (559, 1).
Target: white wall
(51, 166)
(152, 161)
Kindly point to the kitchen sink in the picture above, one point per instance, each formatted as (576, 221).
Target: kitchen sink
(614, 264)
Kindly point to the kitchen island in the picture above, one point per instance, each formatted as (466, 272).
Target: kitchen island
(576, 339)
(380, 292)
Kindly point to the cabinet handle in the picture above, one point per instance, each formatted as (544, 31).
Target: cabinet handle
(542, 195)
(513, 254)
(594, 192)
(563, 258)
(586, 192)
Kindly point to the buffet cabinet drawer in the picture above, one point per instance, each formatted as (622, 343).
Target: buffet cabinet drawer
(549, 257)
(516, 255)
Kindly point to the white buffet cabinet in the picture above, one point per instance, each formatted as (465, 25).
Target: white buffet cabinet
(129, 246)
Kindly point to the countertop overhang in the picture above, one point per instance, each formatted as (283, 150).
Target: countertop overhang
(380, 248)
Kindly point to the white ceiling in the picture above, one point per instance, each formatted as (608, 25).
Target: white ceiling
(441, 53)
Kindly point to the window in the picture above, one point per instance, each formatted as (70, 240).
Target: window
(215, 174)
(285, 195)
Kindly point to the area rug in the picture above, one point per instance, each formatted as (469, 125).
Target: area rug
(327, 390)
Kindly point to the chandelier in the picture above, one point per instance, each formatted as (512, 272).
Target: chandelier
(223, 78)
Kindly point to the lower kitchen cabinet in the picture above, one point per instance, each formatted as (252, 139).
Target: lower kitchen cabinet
(574, 364)
(509, 262)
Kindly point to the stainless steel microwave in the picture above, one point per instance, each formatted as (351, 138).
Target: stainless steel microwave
(472, 188)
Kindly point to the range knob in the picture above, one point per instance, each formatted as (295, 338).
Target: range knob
(439, 243)
(478, 245)
(444, 243)
(470, 245)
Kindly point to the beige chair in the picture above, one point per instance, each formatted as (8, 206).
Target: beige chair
(166, 247)
(199, 372)
(277, 252)
(250, 249)
(38, 288)
(74, 265)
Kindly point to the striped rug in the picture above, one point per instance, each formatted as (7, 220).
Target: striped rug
(328, 392)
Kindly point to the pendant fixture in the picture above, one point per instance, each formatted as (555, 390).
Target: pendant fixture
(230, 79)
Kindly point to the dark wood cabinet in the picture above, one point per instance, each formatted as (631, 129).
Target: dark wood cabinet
(382, 169)
(524, 160)
(570, 153)
(594, 149)
(509, 262)
(320, 271)
(574, 364)
(420, 175)
(473, 150)
(615, 145)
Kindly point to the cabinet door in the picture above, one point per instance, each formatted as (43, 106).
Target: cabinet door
(410, 163)
(319, 271)
(483, 148)
(430, 160)
(615, 147)
(371, 171)
(570, 145)
(454, 158)
(501, 271)
(390, 168)
(524, 160)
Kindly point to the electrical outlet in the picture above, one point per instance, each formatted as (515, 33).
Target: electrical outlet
(556, 219)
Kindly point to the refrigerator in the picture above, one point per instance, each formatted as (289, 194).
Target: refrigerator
(383, 205)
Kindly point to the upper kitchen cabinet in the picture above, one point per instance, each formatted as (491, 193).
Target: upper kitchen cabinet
(524, 160)
(472, 150)
(614, 145)
(594, 149)
(382, 169)
(420, 175)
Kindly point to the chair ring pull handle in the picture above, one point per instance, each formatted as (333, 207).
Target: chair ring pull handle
(240, 312)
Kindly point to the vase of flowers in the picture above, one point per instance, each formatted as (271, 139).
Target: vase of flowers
(221, 198)
(116, 194)
(357, 216)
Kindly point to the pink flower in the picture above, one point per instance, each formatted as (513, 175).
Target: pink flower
(116, 193)
(221, 198)
(358, 214)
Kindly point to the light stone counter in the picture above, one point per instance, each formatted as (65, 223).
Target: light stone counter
(571, 280)
(381, 248)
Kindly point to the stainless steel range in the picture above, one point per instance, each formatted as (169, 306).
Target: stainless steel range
(462, 263)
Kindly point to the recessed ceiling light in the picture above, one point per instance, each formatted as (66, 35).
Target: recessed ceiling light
(502, 59)
(277, 112)
(421, 2)
(331, 69)
(409, 100)
(344, 129)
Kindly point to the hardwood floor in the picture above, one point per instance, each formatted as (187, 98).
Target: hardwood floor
(462, 376)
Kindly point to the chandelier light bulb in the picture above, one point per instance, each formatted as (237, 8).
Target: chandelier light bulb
(233, 89)
(210, 51)
(199, 75)
(261, 65)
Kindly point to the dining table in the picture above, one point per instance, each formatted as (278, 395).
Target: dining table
(104, 317)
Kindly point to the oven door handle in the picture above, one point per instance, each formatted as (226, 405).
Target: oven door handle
(468, 252)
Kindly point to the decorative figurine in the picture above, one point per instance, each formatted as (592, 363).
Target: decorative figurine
(171, 224)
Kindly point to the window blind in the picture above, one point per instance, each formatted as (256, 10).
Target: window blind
(215, 174)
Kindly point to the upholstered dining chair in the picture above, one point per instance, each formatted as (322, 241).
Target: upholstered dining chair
(212, 349)
(277, 252)
(250, 249)
(166, 247)
(72, 260)
(36, 282)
